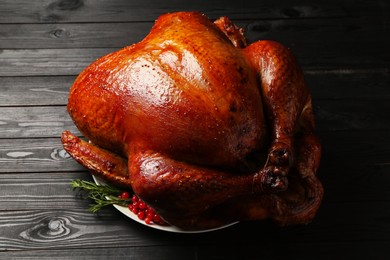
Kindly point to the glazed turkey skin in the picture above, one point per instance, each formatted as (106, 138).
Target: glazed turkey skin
(194, 96)
(202, 126)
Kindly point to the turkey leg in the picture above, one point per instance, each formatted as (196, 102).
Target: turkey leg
(284, 95)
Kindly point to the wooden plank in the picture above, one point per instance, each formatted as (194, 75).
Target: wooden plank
(277, 248)
(304, 38)
(38, 155)
(24, 11)
(68, 228)
(43, 191)
(274, 248)
(348, 148)
(28, 122)
(336, 115)
(47, 154)
(349, 182)
(34, 91)
(342, 47)
(358, 181)
(309, 41)
(46, 62)
(347, 85)
(330, 115)
(294, 32)
(355, 166)
(61, 62)
(347, 30)
(72, 35)
(128, 252)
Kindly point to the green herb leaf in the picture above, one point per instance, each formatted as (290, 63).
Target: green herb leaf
(102, 195)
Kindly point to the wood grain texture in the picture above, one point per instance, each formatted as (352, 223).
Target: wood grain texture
(72, 228)
(293, 32)
(30, 122)
(331, 115)
(34, 91)
(35, 155)
(72, 35)
(267, 250)
(343, 49)
(123, 252)
(302, 38)
(65, 62)
(24, 11)
(42, 190)
(47, 62)
(337, 84)
(57, 228)
(347, 84)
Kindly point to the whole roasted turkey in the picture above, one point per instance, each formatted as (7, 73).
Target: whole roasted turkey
(204, 128)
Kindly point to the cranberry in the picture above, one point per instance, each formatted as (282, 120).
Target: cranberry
(148, 220)
(124, 195)
(143, 211)
(142, 205)
(141, 215)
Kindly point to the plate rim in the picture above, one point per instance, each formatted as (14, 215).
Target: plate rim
(168, 228)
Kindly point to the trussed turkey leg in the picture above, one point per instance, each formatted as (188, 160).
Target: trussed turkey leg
(216, 198)
(98, 161)
(284, 94)
(177, 184)
(152, 173)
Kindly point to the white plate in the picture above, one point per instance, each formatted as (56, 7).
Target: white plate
(168, 228)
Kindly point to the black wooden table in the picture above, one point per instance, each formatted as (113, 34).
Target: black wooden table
(343, 47)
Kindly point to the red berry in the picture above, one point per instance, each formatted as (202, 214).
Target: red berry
(141, 215)
(148, 220)
(150, 210)
(135, 210)
(156, 218)
(144, 211)
(125, 195)
(142, 205)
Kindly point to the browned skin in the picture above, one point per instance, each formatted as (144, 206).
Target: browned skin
(202, 127)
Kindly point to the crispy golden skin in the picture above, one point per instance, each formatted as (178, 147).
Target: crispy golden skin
(203, 127)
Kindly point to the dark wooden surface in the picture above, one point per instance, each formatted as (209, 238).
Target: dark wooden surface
(343, 47)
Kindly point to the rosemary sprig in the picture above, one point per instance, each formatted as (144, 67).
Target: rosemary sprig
(102, 195)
